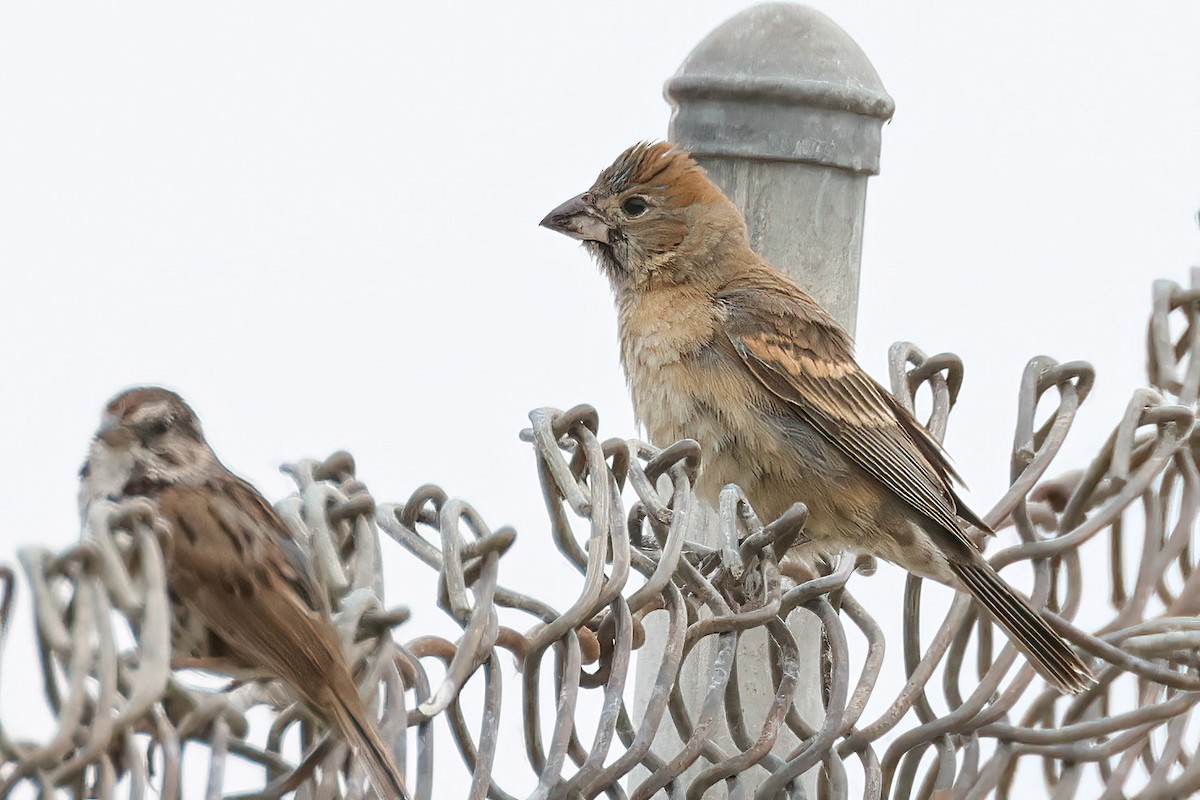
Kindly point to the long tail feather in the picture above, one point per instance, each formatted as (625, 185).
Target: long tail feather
(349, 717)
(1046, 650)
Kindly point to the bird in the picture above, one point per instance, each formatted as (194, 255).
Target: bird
(233, 565)
(721, 347)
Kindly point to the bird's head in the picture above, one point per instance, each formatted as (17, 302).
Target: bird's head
(157, 429)
(653, 216)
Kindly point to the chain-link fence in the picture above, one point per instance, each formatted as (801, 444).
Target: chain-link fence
(624, 516)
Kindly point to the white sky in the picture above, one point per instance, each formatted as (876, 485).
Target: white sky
(320, 225)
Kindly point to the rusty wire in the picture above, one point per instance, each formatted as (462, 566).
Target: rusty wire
(124, 716)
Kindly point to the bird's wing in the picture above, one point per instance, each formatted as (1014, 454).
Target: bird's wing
(295, 567)
(800, 354)
(234, 562)
(230, 563)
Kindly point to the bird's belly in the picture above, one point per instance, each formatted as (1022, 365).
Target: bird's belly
(748, 439)
(777, 459)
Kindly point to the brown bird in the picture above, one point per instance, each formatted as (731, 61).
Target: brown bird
(232, 562)
(721, 347)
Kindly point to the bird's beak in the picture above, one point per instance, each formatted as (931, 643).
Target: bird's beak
(576, 219)
(111, 431)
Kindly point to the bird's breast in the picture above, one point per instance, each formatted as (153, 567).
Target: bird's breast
(667, 350)
(706, 395)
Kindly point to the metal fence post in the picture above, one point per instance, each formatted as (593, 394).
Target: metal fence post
(785, 112)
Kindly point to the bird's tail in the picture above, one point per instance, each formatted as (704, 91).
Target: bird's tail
(1046, 650)
(346, 713)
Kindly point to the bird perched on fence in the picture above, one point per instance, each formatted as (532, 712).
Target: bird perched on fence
(233, 563)
(721, 347)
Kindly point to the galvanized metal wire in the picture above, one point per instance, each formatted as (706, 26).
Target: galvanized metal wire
(623, 516)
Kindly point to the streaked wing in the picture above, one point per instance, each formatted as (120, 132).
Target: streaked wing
(226, 526)
(234, 562)
(806, 361)
(230, 564)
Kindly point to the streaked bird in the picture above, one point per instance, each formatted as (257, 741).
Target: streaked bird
(233, 564)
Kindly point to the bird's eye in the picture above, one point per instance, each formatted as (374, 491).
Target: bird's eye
(635, 206)
(155, 426)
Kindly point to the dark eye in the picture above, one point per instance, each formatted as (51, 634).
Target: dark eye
(155, 426)
(635, 206)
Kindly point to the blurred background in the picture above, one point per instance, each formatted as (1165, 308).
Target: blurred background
(319, 225)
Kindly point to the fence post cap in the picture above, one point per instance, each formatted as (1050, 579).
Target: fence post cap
(780, 67)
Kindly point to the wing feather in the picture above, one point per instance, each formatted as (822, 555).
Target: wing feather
(230, 563)
(799, 354)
